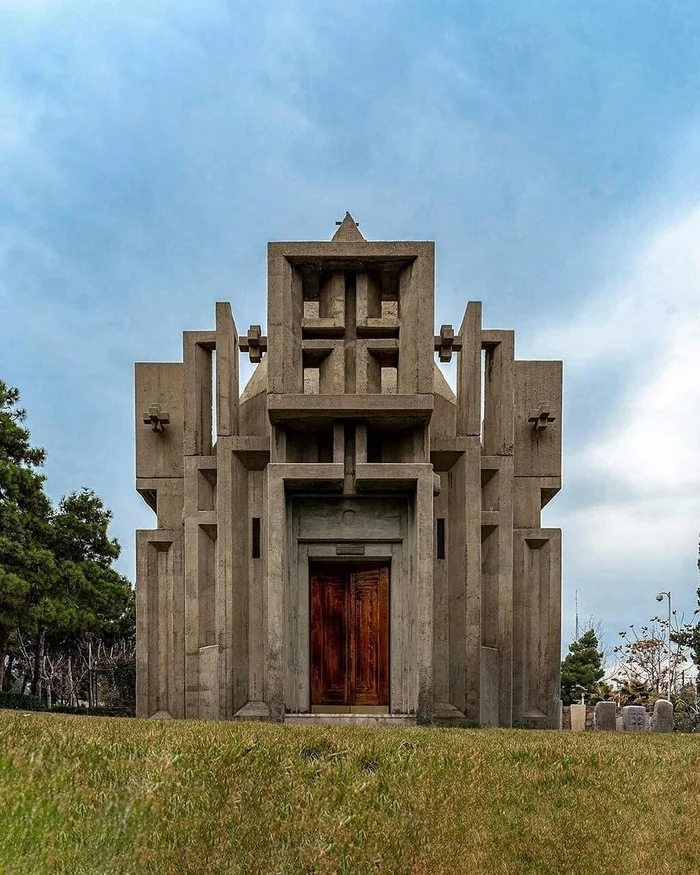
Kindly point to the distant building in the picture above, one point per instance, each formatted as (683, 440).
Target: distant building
(349, 537)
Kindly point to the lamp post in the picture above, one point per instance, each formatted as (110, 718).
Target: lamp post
(660, 598)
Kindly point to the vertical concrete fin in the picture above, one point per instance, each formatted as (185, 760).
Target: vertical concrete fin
(536, 626)
(469, 372)
(498, 392)
(424, 595)
(538, 420)
(464, 546)
(159, 623)
(159, 391)
(285, 311)
(416, 317)
(227, 359)
(197, 349)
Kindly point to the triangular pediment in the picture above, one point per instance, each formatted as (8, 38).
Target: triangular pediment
(347, 232)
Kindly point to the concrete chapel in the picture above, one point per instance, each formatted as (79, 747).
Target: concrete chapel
(349, 537)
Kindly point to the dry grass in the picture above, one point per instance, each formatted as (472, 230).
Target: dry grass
(88, 795)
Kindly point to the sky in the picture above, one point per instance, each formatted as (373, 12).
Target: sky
(150, 149)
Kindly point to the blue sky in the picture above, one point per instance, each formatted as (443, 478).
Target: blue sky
(149, 150)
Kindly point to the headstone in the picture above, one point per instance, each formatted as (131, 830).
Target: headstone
(560, 725)
(634, 718)
(662, 718)
(605, 716)
(578, 718)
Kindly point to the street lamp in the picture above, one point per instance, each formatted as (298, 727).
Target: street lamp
(660, 598)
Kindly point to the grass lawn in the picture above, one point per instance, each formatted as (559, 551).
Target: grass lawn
(91, 795)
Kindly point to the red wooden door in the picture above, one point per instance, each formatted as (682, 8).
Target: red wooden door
(350, 635)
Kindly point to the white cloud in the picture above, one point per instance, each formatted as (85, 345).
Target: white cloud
(645, 462)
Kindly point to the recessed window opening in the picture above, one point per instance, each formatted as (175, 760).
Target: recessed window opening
(325, 447)
(255, 539)
(440, 538)
(374, 446)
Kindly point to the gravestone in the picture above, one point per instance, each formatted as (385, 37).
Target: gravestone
(578, 718)
(662, 718)
(606, 716)
(634, 718)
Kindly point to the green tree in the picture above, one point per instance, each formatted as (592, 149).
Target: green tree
(27, 563)
(581, 667)
(87, 595)
(689, 635)
(57, 583)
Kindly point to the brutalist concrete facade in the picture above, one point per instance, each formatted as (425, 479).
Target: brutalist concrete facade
(348, 444)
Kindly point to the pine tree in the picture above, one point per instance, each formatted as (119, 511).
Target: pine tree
(27, 564)
(56, 576)
(582, 667)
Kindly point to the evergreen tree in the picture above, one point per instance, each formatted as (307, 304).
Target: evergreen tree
(56, 576)
(27, 564)
(581, 667)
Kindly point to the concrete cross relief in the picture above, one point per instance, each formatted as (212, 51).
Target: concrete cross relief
(541, 418)
(156, 418)
(446, 343)
(255, 344)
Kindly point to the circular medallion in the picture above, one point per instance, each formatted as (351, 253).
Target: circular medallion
(349, 517)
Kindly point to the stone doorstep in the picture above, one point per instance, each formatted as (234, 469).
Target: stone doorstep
(350, 719)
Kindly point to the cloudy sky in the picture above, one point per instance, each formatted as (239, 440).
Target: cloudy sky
(148, 150)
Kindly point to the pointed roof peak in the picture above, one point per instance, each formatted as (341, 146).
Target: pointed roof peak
(347, 230)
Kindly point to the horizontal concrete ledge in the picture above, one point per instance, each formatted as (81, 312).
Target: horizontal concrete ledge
(395, 411)
(490, 518)
(301, 475)
(362, 250)
(350, 720)
(253, 451)
(444, 452)
(391, 475)
(161, 539)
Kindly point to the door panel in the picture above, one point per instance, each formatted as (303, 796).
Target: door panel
(370, 601)
(350, 635)
(329, 639)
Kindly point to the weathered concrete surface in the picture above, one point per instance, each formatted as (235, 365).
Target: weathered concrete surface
(348, 442)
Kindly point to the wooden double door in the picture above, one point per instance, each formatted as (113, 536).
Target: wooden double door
(349, 635)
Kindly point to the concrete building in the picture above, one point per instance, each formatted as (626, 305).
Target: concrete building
(348, 536)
